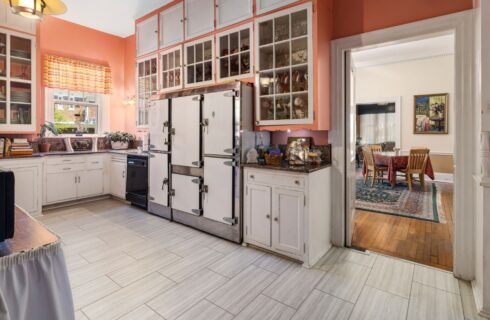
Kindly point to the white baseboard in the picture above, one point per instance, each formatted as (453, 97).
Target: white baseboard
(444, 177)
(478, 303)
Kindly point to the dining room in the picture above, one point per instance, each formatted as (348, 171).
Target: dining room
(404, 151)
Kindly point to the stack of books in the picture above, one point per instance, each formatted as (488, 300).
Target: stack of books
(20, 147)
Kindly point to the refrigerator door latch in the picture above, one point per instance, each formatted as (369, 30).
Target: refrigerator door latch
(231, 163)
(204, 189)
(164, 182)
(231, 150)
(198, 98)
(204, 124)
(166, 124)
(232, 94)
(231, 221)
(197, 181)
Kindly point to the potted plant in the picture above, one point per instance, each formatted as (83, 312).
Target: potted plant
(45, 128)
(120, 140)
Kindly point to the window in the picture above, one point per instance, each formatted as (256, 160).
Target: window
(234, 53)
(74, 112)
(199, 62)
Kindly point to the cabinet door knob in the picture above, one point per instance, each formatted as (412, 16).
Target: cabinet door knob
(268, 216)
(252, 176)
(296, 182)
(276, 219)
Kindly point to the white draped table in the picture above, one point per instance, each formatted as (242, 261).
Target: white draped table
(34, 282)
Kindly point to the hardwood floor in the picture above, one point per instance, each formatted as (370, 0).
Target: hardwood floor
(419, 241)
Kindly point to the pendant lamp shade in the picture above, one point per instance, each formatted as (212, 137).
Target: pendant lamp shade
(36, 9)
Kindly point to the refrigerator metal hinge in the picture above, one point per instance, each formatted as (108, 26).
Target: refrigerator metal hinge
(231, 163)
(204, 189)
(171, 192)
(165, 124)
(164, 182)
(197, 212)
(172, 131)
(231, 221)
(205, 123)
(198, 163)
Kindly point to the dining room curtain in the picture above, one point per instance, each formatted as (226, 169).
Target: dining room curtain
(377, 123)
(76, 75)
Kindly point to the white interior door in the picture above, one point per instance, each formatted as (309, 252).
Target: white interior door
(350, 156)
(218, 112)
(199, 17)
(218, 200)
(232, 11)
(186, 139)
(288, 208)
(158, 179)
(158, 125)
(186, 194)
(147, 36)
(257, 209)
(172, 27)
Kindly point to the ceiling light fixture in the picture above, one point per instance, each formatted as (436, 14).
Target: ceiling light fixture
(36, 9)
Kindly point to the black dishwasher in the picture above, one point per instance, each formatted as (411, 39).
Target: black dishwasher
(137, 181)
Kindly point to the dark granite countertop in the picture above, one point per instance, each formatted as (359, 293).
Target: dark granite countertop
(285, 166)
(75, 153)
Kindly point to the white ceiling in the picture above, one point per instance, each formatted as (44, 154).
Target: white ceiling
(413, 50)
(111, 16)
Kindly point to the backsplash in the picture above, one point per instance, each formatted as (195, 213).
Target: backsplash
(320, 138)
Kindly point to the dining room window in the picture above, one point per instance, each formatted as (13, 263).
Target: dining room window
(377, 123)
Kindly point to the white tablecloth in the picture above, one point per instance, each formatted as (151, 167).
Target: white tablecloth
(34, 285)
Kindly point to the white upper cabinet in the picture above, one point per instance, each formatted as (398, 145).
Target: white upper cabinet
(232, 11)
(199, 17)
(147, 36)
(172, 25)
(268, 5)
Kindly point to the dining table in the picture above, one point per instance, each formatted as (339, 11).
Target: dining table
(396, 162)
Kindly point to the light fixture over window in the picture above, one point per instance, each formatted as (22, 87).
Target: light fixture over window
(36, 9)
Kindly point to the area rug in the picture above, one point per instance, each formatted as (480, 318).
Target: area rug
(423, 204)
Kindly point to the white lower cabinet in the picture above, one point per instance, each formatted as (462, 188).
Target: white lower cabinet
(69, 178)
(288, 213)
(28, 183)
(118, 176)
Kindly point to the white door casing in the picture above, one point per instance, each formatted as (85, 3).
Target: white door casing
(258, 214)
(158, 179)
(186, 194)
(218, 200)
(218, 112)
(186, 119)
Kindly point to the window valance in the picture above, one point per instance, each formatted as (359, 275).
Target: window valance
(76, 75)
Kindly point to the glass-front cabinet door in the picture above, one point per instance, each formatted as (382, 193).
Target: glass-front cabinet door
(199, 64)
(17, 83)
(147, 76)
(234, 53)
(171, 69)
(284, 68)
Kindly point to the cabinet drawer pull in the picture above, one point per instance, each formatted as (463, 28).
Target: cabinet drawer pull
(66, 160)
(95, 162)
(66, 169)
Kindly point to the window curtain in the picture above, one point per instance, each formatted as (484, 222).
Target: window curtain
(76, 75)
(377, 128)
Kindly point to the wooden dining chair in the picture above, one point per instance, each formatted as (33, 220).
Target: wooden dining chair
(376, 148)
(371, 167)
(417, 162)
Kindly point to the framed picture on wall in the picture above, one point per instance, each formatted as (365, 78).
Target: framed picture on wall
(431, 114)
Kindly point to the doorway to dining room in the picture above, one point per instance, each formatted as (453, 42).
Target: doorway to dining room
(402, 100)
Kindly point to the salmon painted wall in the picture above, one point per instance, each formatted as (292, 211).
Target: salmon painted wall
(357, 16)
(59, 37)
(129, 81)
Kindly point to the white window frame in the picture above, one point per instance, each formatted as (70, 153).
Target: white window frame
(248, 26)
(102, 104)
(213, 62)
(181, 68)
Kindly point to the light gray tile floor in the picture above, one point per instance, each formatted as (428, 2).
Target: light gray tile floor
(126, 264)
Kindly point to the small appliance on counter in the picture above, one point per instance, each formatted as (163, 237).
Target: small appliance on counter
(7, 205)
(137, 181)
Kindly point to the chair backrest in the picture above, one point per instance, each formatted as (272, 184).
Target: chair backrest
(376, 148)
(417, 160)
(368, 156)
